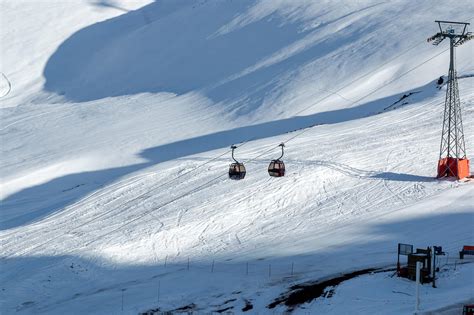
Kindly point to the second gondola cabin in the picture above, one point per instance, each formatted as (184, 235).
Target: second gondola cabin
(276, 168)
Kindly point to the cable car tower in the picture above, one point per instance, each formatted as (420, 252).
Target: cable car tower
(453, 161)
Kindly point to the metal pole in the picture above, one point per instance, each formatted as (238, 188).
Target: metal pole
(434, 267)
(417, 287)
(122, 299)
(398, 261)
(159, 287)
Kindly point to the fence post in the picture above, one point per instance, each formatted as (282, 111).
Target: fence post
(122, 299)
(434, 265)
(159, 286)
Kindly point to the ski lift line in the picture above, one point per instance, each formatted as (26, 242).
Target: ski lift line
(304, 130)
(363, 97)
(265, 152)
(9, 85)
(197, 189)
(401, 75)
(288, 140)
(171, 201)
(128, 202)
(154, 188)
(89, 198)
(370, 72)
(121, 226)
(377, 89)
(336, 92)
(122, 208)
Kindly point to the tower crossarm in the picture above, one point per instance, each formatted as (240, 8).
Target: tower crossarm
(455, 31)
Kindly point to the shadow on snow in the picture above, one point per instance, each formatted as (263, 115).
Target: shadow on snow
(101, 60)
(68, 281)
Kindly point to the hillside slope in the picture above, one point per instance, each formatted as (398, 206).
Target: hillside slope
(115, 139)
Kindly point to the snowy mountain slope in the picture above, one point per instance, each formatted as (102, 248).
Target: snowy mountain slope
(115, 137)
(47, 152)
(333, 213)
(32, 30)
(297, 41)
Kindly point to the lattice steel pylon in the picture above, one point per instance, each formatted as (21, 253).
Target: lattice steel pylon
(453, 161)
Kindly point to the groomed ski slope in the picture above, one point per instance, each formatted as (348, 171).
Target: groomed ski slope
(115, 197)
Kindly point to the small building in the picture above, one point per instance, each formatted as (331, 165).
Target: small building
(424, 256)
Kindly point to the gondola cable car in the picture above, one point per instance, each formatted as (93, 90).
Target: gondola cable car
(277, 167)
(236, 170)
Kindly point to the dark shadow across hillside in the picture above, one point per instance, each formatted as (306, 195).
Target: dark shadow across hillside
(174, 46)
(84, 281)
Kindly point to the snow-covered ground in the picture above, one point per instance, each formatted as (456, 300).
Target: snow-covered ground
(114, 153)
(382, 293)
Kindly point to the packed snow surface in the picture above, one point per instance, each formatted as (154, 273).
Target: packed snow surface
(115, 147)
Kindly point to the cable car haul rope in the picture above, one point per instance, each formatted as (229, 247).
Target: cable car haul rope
(237, 169)
(276, 168)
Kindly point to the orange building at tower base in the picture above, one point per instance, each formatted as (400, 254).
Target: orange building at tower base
(453, 167)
